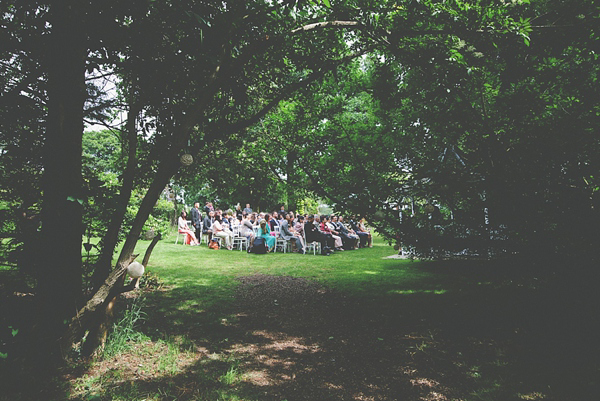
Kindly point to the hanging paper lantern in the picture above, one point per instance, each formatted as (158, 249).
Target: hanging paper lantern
(186, 159)
(135, 269)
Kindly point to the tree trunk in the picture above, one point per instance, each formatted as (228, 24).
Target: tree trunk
(95, 316)
(111, 239)
(291, 186)
(101, 318)
(59, 280)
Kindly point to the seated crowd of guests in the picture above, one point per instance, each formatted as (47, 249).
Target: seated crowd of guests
(333, 233)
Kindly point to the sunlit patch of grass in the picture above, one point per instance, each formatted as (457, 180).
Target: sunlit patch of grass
(232, 376)
(88, 384)
(532, 396)
(125, 333)
(168, 361)
(413, 292)
(488, 391)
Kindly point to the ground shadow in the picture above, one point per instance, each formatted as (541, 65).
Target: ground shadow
(294, 339)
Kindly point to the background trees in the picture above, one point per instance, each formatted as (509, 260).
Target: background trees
(494, 129)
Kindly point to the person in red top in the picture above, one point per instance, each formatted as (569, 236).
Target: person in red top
(339, 245)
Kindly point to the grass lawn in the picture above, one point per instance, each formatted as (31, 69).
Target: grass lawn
(227, 325)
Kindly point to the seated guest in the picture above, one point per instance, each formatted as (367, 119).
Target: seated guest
(220, 230)
(248, 209)
(364, 237)
(328, 228)
(236, 221)
(265, 232)
(282, 212)
(313, 234)
(182, 226)
(287, 234)
(364, 229)
(238, 211)
(273, 222)
(207, 224)
(228, 219)
(351, 237)
(335, 230)
(246, 230)
(330, 240)
(299, 225)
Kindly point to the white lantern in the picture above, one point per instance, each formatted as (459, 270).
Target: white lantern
(186, 159)
(135, 269)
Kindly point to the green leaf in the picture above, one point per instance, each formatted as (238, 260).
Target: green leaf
(3, 355)
(73, 199)
(327, 3)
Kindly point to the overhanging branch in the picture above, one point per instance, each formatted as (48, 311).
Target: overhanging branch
(327, 24)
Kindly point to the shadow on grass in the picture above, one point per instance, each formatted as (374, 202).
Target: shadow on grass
(288, 338)
(474, 333)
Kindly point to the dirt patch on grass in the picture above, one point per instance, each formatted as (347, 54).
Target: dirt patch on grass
(290, 338)
(309, 342)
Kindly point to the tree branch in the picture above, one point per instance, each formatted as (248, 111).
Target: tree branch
(327, 24)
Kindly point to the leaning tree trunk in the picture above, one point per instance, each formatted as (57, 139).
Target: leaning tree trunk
(96, 315)
(111, 239)
(59, 280)
(102, 317)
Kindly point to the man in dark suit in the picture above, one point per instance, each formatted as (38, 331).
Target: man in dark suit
(196, 222)
(364, 237)
(350, 241)
(345, 233)
(207, 224)
(313, 234)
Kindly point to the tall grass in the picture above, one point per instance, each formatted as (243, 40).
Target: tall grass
(124, 333)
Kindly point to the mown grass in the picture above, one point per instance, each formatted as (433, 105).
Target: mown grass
(489, 320)
(498, 331)
(211, 274)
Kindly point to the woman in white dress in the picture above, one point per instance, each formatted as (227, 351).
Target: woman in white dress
(219, 230)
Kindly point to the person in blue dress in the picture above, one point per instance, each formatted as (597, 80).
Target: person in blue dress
(265, 231)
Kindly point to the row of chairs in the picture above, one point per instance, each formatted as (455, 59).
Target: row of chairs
(241, 242)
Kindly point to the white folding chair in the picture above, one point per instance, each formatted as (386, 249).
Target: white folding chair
(314, 246)
(189, 224)
(281, 242)
(238, 240)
